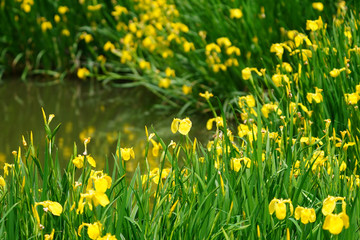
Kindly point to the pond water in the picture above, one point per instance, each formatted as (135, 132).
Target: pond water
(85, 110)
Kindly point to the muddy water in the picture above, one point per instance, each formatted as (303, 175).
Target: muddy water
(85, 111)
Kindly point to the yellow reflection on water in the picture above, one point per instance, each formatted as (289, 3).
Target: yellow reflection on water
(103, 115)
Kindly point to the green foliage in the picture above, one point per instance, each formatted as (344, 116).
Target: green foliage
(47, 39)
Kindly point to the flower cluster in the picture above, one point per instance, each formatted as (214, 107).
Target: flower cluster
(334, 223)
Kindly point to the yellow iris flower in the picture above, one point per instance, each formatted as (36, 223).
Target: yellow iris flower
(318, 6)
(93, 8)
(317, 97)
(305, 214)
(278, 206)
(206, 95)
(155, 175)
(314, 25)
(164, 83)
(109, 46)
(54, 207)
(6, 168)
(181, 125)
(233, 50)
(278, 49)
(236, 13)
(218, 120)
(329, 204)
(82, 73)
(293, 108)
(63, 9)
(336, 72)
(127, 153)
(186, 89)
(249, 100)
(94, 229)
(49, 236)
(223, 41)
(92, 197)
(156, 148)
(246, 73)
(79, 161)
(46, 26)
(101, 182)
(269, 107)
(352, 98)
(334, 222)
(87, 38)
(118, 10)
(236, 163)
(305, 54)
(144, 64)
(278, 79)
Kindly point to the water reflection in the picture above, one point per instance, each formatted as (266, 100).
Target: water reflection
(84, 112)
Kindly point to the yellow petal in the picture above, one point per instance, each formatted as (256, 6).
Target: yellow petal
(78, 161)
(94, 230)
(318, 97)
(291, 207)
(280, 210)
(328, 205)
(55, 208)
(318, 6)
(185, 126)
(91, 161)
(334, 73)
(101, 185)
(49, 236)
(125, 153)
(156, 148)
(132, 153)
(298, 211)
(272, 205)
(345, 219)
(236, 164)
(156, 179)
(206, 95)
(250, 100)
(209, 123)
(175, 125)
(80, 227)
(2, 182)
(90, 206)
(305, 216)
(313, 215)
(109, 180)
(246, 73)
(102, 199)
(80, 208)
(236, 13)
(333, 223)
(247, 161)
(36, 215)
(309, 97)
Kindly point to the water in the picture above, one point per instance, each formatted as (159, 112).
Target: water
(95, 112)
